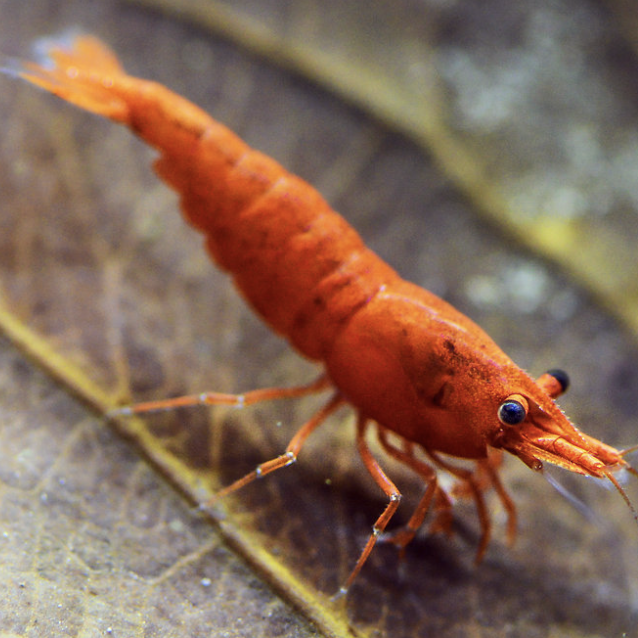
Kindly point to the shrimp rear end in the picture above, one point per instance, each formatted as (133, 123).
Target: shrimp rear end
(297, 262)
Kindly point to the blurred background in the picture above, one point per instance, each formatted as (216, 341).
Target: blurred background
(488, 153)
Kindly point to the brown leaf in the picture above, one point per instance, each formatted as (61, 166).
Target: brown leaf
(95, 258)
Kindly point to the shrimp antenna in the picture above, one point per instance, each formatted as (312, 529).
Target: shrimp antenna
(622, 492)
(10, 66)
(623, 453)
(579, 505)
(628, 450)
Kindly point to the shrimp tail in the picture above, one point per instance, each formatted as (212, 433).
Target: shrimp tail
(78, 69)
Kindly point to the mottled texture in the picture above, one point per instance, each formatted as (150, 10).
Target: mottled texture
(95, 257)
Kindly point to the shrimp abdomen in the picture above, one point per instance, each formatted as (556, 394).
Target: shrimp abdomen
(298, 263)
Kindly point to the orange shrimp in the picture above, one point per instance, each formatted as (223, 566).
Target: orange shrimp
(405, 360)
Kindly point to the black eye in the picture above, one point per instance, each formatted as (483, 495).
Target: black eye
(561, 376)
(511, 412)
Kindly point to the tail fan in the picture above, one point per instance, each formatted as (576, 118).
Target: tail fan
(79, 69)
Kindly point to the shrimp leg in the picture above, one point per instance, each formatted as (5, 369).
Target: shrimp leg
(220, 398)
(389, 489)
(288, 457)
(476, 490)
(403, 536)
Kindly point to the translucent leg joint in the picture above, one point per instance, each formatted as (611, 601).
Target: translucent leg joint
(340, 594)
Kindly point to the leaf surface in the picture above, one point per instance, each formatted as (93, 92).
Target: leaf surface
(96, 261)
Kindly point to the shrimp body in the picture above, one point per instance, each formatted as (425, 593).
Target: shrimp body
(402, 357)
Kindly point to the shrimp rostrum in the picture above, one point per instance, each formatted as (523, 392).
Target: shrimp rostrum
(407, 362)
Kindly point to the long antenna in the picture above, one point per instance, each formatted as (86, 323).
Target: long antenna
(622, 492)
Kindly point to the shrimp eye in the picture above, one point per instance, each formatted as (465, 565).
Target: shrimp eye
(561, 376)
(511, 412)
